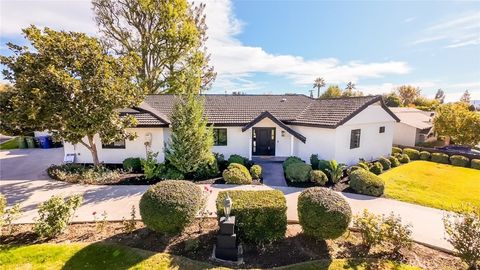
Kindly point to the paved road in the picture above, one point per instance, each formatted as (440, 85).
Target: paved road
(23, 180)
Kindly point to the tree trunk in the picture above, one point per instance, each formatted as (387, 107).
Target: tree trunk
(93, 150)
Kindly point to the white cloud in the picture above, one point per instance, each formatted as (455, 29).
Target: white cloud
(463, 30)
(408, 20)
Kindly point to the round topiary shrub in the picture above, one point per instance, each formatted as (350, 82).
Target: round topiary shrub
(237, 174)
(132, 165)
(367, 183)
(376, 168)
(256, 171)
(291, 160)
(394, 161)
(396, 150)
(404, 158)
(424, 155)
(237, 159)
(460, 161)
(476, 164)
(440, 158)
(386, 164)
(318, 177)
(298, 172)
(171, 205)
(363, 165)
(322, 213)
(413, 154)
(353, 168)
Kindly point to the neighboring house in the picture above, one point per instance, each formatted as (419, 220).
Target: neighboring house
(345, 129)
(415, 126)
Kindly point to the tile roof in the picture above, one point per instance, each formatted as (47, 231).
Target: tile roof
(239, 110)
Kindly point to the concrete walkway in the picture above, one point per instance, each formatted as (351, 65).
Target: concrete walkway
(272, 173)
(23, 180)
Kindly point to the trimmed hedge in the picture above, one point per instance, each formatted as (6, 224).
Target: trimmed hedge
(322, 213)
(413, 154)
(237, 159)
(318, 177)
(261, 216)
(424, 155)
(256, 171)
(132, 165)
(458, 160)
(396, 150)
(298, 172)
(404, 158)
(440, 158)
(394, 161)
(237, 174)
(291, 160)
(367, 183)
(386, 164)
(171, 205)
(376, 168)
(476, 164)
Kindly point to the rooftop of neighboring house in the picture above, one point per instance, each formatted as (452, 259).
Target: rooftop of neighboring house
(240, 110)
(414, 117)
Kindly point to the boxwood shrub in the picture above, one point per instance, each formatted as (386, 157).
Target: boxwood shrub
(386, 164)
(132, 165)
(440, 158)
(237, 174)
(376, 168)
(322, 213)
(460, 161)
(261, 216)
(476, 164)
(424, 155)
(291, 160)
(353, 168)
(365, 182)
(396, 150)
(298, 172)
(256, 171)
(171, 205)
(404, 158)
(238, 159)
(363, 165)
(394, 161)
(314, 161)
(413, 154)
(318, 177)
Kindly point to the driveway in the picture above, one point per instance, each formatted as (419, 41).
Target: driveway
(23, 180)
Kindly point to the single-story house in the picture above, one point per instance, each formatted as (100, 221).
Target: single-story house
(415, 126)
(345, 129)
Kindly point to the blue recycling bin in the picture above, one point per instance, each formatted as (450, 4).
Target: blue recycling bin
(44, 142)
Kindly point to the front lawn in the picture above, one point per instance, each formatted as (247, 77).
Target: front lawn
(432, 184)
(106, 256)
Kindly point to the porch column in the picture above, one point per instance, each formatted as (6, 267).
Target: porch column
(291, 145)
(249, 143)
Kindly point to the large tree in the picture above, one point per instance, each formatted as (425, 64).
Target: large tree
(318, 83)
(456, 121)
(69, 85)
(408, 94)
(440, 96)
(191, 141)
(392, 99)
(168, 35)
(465, 97)
(333, 91)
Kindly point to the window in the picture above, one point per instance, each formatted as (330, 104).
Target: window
(115, 145)
(382, 130)
(355, 139)
(219, 136)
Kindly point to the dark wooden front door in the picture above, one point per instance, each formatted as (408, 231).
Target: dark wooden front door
(263, 141)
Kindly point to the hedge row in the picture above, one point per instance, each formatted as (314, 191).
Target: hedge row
(413, 154)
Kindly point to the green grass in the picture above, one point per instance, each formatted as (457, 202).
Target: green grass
(10, 144)
(106, 256)
(432, 184)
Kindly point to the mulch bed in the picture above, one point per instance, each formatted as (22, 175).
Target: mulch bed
(341, 186)
(197, 242)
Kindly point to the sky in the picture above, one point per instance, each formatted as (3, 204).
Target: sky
(280, 47)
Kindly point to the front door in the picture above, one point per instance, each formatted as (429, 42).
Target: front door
(263, 141)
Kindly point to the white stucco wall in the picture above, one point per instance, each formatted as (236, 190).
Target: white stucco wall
(282, 143)
(319, 141)
(133, 148)
(237, 143)
(373, 144)
(404, 134)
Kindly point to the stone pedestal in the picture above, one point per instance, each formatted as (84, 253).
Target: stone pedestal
(226, 248)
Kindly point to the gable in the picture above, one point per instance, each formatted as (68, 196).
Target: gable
(374, 113)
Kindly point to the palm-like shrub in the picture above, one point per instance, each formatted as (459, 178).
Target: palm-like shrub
(322, 213)
(335, 171)
(365, 182)
(237, 174)
(171, 205)
(318, 177)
